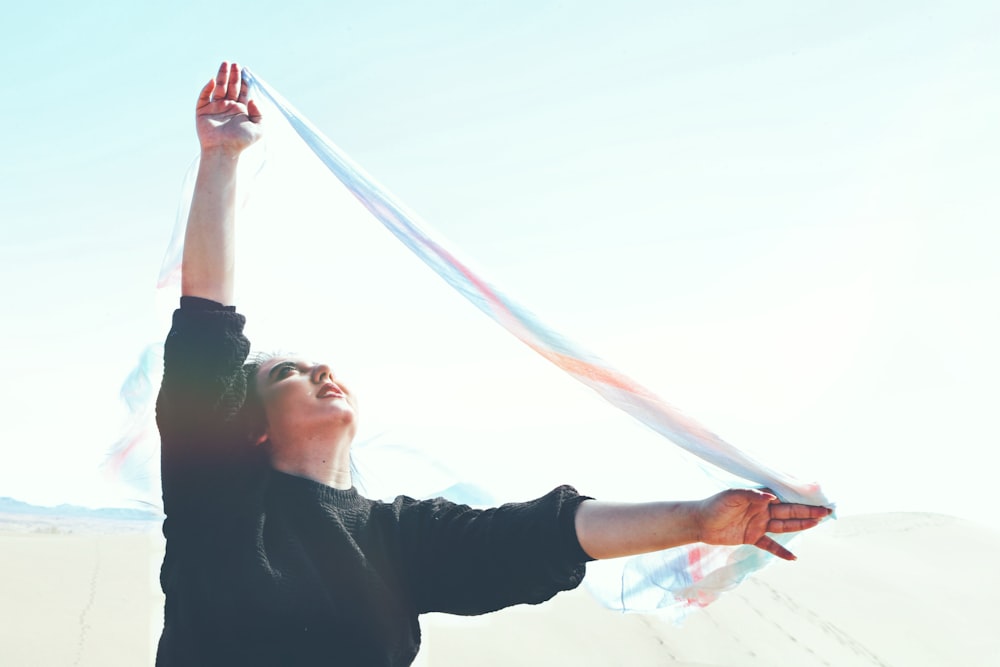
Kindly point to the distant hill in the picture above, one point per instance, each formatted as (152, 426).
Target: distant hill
(12, 506)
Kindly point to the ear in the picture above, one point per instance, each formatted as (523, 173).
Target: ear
(261, 440)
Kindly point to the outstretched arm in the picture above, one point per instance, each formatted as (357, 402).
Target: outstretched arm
(228, 121)
(737, 516)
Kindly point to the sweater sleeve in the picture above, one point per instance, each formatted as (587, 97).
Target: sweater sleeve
(202, 391)
(465, 561)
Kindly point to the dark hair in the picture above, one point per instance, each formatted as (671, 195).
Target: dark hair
(251, 417)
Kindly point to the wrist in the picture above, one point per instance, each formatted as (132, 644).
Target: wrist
(697, 520)
(674, 523)
(223, 153)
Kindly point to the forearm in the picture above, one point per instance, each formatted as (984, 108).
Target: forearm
(611, 530)
(209, 242)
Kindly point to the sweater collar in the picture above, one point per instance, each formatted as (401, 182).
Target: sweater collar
(301, 486)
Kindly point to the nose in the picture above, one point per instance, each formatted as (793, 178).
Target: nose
(321, 373)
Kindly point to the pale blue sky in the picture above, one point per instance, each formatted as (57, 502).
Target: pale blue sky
(781, 216)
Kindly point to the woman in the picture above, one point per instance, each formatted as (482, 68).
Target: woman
(273, 558)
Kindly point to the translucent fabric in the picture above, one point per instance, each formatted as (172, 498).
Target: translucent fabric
(448, 405)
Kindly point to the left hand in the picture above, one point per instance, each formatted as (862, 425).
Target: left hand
(745, 516)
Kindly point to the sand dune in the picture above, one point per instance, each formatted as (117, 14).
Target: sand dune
(886, 590)
(895, 590)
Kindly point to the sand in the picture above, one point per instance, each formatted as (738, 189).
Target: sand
(77, 595)
(889, 590)
(896, 590)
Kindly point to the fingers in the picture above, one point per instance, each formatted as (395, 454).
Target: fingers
(221, 82)
(767, 493)
(206, 94)
(792, 517)
(227, 82)
(233, 85)
(244, 89)
(769, 545)
(790, 525)
(253, 111)
(796, 511)
(229, 85)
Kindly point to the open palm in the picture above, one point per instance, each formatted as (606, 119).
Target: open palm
(226, 118)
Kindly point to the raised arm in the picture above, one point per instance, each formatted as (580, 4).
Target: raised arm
(228, 121)
(737, 516)
(203, 384)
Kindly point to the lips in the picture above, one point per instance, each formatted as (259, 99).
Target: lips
(329, 390)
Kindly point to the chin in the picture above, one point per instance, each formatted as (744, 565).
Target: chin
(345, 418)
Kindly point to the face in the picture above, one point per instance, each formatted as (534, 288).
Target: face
(303, 401)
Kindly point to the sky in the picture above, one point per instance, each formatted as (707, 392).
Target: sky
(781, 217)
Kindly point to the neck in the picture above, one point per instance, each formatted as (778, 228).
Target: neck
(324, 462)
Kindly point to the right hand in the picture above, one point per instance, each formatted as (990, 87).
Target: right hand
(226, 118)
(745, 516)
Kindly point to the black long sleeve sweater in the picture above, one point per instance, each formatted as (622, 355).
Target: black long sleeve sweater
(265, 568)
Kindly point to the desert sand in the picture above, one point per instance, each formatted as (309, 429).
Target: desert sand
(897, 590)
